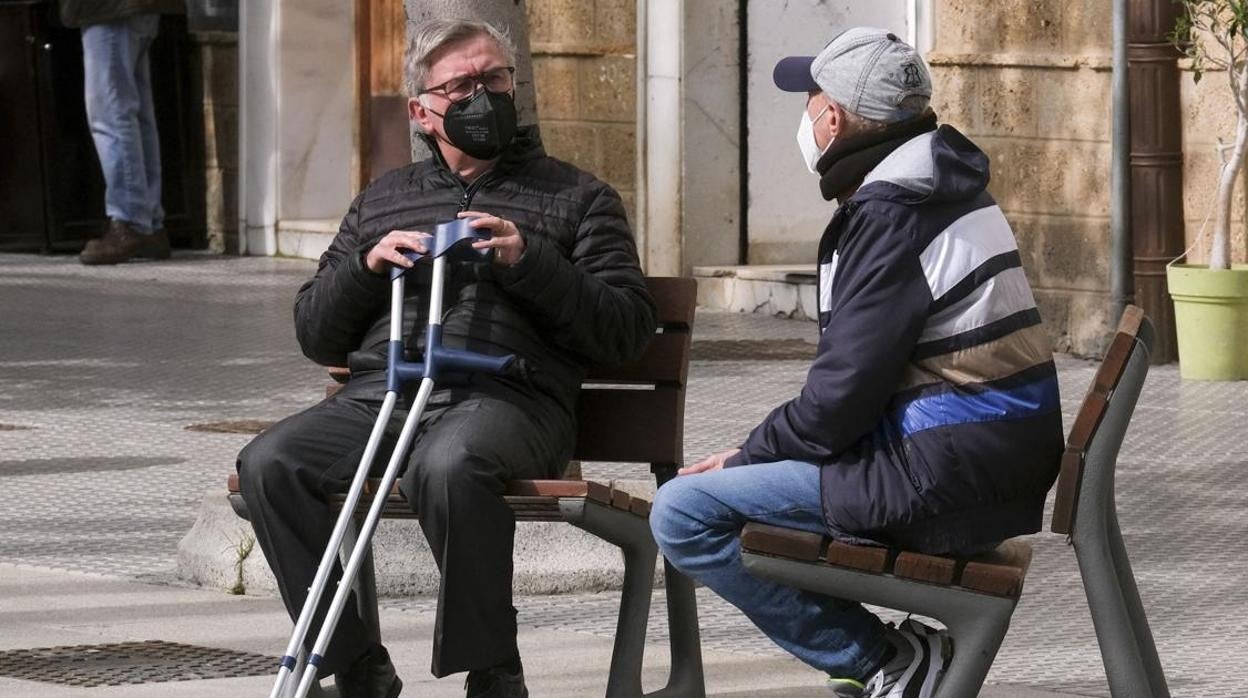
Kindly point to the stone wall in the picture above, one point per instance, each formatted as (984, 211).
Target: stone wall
(584, 60)
(1030, 83)
(1209, 114)
(215, 73)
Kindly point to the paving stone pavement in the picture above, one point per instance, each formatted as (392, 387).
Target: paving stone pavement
(102, 370)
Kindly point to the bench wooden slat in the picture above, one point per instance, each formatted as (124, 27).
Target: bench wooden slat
(650, 433)
(676, 298)
(783, 542)
(640, 507)
(520, 491)
(933, 569)
(660, 364)
(860, 557)
(595, 491)
(620, 499)
(1091, 412)
(1001, 572)
(1068, 479)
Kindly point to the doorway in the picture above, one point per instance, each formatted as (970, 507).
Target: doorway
(384, 136)
(785, 214)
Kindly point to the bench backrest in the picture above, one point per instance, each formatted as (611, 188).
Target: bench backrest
(634, 413)
(1087, 471)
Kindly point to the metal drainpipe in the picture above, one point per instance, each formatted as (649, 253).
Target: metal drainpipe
(1121, 276)
(1156, 134)
(640, 205)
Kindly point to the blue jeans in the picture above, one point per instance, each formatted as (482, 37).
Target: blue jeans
(696, 521)
(123, 122)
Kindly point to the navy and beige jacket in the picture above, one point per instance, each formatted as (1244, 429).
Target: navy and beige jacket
(932, 403)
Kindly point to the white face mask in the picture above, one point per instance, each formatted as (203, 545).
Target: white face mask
(806, 140)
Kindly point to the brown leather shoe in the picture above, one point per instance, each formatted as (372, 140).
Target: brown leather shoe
(156, 245)
(121, 243)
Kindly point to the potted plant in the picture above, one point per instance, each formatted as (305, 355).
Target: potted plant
(1211, 302)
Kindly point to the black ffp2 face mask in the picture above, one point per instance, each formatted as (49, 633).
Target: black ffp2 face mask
(482, 125)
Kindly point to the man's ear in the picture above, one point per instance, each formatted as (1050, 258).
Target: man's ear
(836, 119)
(420, 114)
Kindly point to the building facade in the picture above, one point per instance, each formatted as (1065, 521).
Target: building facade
(654, 96)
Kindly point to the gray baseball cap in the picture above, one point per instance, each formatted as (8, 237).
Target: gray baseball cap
(866, 70)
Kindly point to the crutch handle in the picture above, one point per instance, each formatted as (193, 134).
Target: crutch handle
(396, 271)
(456, 237)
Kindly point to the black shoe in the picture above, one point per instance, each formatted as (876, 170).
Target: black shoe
(372, 676)
(497, 682)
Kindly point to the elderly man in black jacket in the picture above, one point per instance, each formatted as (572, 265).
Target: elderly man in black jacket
(564, 290)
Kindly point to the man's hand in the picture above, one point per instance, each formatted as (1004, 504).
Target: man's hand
(507, 243)
(386, 251)
(715, 461)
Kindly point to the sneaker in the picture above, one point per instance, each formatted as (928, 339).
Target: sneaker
(915, 669)
(371, 676)
(496, 682)
(122, 243)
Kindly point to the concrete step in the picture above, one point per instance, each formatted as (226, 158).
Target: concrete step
(550, 558)
(787, 290)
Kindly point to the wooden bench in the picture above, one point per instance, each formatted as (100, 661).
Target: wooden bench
(631, 413)
(975, 597)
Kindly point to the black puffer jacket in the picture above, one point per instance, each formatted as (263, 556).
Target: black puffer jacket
(577, 295)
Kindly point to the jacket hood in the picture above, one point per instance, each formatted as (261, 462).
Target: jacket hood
(938, 166)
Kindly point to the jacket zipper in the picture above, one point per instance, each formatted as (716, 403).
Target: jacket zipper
(466, 199)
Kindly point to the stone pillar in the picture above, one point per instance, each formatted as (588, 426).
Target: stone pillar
(216, 69)
(1156, 162)
(297, 121)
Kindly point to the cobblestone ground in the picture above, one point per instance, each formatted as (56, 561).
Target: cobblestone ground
(102, 370)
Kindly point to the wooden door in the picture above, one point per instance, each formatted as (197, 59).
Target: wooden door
(22, 221)
(384, 141)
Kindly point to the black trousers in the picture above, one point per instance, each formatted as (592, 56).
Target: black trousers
(469, 445)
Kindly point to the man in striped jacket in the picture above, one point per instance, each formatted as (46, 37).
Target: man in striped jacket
(929, 419)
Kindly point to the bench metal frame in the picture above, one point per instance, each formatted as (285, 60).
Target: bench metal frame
(978, 621)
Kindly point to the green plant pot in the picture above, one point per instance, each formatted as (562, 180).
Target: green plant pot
(1211, 315)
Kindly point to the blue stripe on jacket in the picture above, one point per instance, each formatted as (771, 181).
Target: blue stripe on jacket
(961, 407)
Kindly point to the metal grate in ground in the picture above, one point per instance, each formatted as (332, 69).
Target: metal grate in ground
(128, 663)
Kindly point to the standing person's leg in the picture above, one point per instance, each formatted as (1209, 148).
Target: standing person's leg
(118, 100)
(696, 521)
(111, 53)
(455, 480)
(147, 27)
(286, 474)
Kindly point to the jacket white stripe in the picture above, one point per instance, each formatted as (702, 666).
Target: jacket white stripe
(827, 272)
(967, 243)
(999, 297)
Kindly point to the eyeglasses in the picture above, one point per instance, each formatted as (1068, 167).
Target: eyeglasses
(464, 86)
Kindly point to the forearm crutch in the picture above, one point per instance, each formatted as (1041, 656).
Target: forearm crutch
(449, 240)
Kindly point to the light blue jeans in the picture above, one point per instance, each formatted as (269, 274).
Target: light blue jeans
(122, 120)
(696, 521)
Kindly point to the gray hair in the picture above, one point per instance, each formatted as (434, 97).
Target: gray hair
(857, 124)
(428, 37)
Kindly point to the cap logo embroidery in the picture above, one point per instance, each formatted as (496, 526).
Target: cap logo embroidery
(911, 77)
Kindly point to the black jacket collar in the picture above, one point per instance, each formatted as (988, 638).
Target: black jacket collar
(849, 160)
(525, 145)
